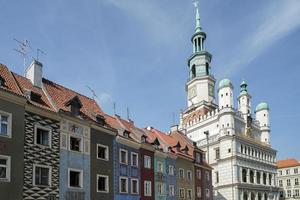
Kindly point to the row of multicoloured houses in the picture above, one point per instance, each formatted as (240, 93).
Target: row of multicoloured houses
(58, 144)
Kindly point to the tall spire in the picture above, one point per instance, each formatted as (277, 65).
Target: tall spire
(198, 26)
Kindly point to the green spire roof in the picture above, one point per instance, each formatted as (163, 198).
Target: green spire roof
(262, 106)
(198, 26)
(225, 83)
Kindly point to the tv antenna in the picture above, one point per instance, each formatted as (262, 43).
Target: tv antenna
(93, 93)
(23, 50)
(38, 52)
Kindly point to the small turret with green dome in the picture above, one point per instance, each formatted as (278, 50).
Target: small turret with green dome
(243, 90)
(262, 106)
(225, 83)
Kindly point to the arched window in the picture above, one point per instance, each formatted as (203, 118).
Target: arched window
(252, 196)
(244, 175)
(258, 177)
(264, 178)
(251, 176)
(245, 196)
(193, 71)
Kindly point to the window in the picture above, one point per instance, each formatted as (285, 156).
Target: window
(134, 159)
(198, 173)
(4, 168)
(264, 178)
(280, 183)
(296, 181)
(244, 175)
(123, 156)
(171, 170)
(296, 171)
(296, 193)
(75, 178)
(207, 176)
(189, 175)
(217, 177)
(147, 162)
(287, 171)
(75, 144)
(181, 193)
(147, 189)
(160, 167)
(198, 157)
(280, 193)
(102, 152)
(189, 194)
(41, 175)
(217, 151)
(207, 192)
(123, 185)
(171, 190)
(199, 192)
(160, 188)
(102, 183)
(251, 176)
(42, 136)
(288, 182)
(5, 124)
(280, 172)
(134, 186)
(289, 193)
(181, 173)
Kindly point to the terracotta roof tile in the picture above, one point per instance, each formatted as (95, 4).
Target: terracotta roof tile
(10, 82)
(26, 85)
(61, 95)
(287, 163)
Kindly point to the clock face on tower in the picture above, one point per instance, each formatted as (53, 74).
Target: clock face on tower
(192, 92)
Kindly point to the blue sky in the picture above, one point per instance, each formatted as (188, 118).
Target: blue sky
(134, 53)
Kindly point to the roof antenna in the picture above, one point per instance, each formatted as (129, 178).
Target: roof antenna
(38, 52)
(114, 108)
(128, 117)
(173, 118)
(23, 50)
(93, 92)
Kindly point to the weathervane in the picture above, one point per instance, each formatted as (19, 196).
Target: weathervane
(23, 50)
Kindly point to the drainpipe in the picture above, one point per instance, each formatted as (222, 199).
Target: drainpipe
(207, 145)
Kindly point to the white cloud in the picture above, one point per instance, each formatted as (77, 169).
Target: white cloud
(278, 20)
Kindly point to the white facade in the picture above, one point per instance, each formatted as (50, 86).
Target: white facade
(288, 180)
(237, 145)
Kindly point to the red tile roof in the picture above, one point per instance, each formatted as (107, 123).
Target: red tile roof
(26, 85)
(10, 82)
(61, 95)
(287, 163)
(195, 115)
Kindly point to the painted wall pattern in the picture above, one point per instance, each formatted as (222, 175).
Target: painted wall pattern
(38, 155)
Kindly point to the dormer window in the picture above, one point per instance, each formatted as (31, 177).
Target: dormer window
(185, 150)
(100, 119)
(177, 146)
(126, 134)
(75, 105)
(2, 81)
(156, 143)
(35, 96)
(143, 138)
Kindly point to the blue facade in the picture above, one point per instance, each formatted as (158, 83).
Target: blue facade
(171, 179)
(78, 161)
(125, 170)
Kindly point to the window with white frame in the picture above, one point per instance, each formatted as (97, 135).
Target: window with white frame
(171, 190)
(123, 156)
(42, 136)
(296, 171)
(296, 193)
(181, 193)
(4, 168)
(189, 194)
(147, 162)
(289, 193)
(296, 181)
(181, 173)
(280, 183)
(288, 182)
(160, 167)
(134, 186)
(102, 152)
(147, 189)
(102, 183)
(75, 144)
(134, 159)
(171, 170)
(198, 157)
(5, 124)
(41, 175)
(189, 175)
(123, 185)
(199, 192)
(287, 171)
(198, 174)
(160, 189)
(207, 193)
(75, 178)
(207, 176)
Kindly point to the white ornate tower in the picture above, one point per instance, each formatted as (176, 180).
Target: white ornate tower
(200, 85)
(244, 101)
(262, 115)
(225, 92)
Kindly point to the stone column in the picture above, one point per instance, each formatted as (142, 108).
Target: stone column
(254, 177)
(248, 175)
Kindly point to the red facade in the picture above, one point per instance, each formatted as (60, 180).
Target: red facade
(146, 173)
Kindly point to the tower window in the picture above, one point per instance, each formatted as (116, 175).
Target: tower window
(226, 94)
(207, 68)
(193, 71)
